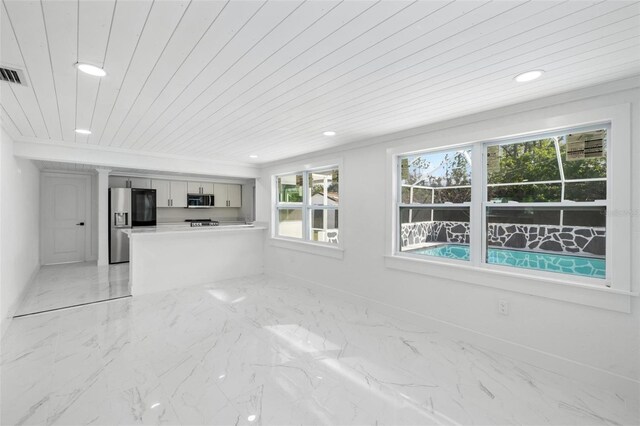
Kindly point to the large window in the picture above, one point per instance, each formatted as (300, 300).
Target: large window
(546, 203)
(541, 203)
(307, 205)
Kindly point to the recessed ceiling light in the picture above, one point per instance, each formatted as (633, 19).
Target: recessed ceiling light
(529, 76)
(91, 69)
(253, 156)
(329, 133)
(83, 131)
(251, 417)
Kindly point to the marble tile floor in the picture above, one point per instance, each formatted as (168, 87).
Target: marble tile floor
(259, 351)
(70, 284)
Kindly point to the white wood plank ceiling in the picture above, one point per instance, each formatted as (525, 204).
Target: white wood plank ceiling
(223, 80)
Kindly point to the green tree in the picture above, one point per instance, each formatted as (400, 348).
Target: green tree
(532, 161)
(537, 161)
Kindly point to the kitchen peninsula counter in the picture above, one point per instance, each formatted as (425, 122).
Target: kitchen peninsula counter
(171, 256)
(180, 228)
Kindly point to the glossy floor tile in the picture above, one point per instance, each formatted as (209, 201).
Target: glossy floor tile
(70, 284)
(261, 351)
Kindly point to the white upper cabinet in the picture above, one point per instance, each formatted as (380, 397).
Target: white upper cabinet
(227, 195)
(220, 195)
(143, 183)
(118, 182)
(234, 195)
(207, 188)
(178, 193)
(163, 192)
(173, 193)
(129, 182)
(193, 187)
(170, 193)
(200, 188)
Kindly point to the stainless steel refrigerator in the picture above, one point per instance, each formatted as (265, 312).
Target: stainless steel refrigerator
(128, 208)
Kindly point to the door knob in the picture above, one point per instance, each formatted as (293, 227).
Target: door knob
(80, 224)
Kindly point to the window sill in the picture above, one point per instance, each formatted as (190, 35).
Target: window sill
(308, 247)
(557, 289)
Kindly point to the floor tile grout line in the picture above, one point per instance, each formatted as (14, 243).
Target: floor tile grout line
(72, 306)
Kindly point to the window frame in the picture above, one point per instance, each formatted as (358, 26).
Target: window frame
(614, 292)
(306, 209)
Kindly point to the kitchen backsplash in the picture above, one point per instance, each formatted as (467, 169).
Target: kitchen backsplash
(168, 215)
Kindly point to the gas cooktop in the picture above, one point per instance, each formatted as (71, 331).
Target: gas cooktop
(202, 222)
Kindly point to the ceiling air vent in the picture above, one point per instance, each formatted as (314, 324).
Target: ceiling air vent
(12, 76)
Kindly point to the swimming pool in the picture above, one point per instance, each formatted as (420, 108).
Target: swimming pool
(575, 265)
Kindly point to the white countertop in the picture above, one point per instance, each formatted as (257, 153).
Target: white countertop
(187, 229)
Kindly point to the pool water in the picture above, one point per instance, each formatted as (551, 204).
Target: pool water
(574, 265)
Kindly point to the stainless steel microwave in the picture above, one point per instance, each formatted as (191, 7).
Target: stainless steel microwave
(199, 201)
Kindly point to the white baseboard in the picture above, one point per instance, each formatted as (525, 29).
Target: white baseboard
(624, 386)
(6, 322)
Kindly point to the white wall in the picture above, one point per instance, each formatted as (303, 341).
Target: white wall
(19, 227)
(93, 229)
(597, 341)
(248, 211)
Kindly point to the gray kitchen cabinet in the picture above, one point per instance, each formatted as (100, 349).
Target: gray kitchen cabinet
(163, 192)
(178, 193)
(118, 182)
(207, 188)
(193, 187)
(234, 195)
(170, 193)
(227, 195)
(200, 188)
(129, 182)
(137, 182)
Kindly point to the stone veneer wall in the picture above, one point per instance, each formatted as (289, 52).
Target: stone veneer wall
(437, 231)
(551, 238)
(566, 239)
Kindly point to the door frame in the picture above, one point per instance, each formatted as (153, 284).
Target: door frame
(88, 195)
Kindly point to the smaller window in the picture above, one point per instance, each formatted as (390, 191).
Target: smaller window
(307, 205)
(434, 208)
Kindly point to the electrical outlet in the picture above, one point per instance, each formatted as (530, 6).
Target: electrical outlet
(503, 307)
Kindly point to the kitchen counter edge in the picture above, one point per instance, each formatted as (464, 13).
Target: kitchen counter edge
(164, 230)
